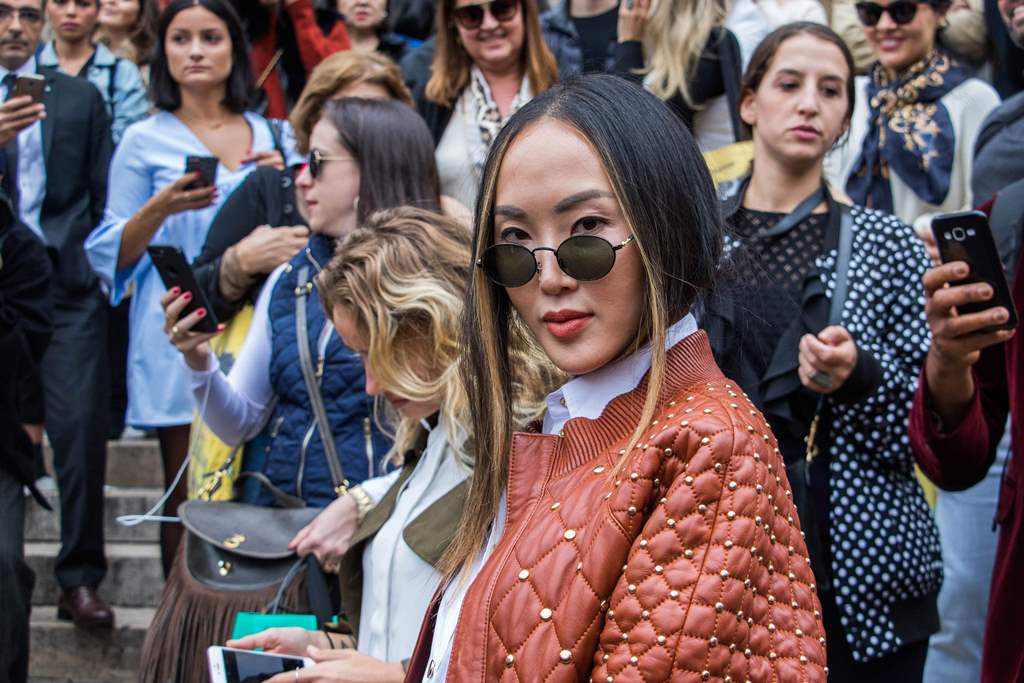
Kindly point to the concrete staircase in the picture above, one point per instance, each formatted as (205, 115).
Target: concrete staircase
(61, 653)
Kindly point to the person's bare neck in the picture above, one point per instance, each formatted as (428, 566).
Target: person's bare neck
(590, 8)
(779, 187)
(115, 38)
(363, 40)
(73, 52)
(203, 107)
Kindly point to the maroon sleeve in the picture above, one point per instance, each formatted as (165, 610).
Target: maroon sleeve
(314, 46)
(957, 458)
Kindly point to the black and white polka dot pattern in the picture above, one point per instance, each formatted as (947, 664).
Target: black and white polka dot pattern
(884, 543)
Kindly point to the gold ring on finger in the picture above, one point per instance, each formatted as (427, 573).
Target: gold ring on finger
(174, 331)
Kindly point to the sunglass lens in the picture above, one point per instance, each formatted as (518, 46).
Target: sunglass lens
(470, 16)
(314, 164)
(902, 12)
(503, 10)
(509, 265)
(586, 257)
(869, 13)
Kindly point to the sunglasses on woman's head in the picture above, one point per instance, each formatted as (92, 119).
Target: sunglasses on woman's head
(901, 12)
(317, 159)
(583, 257)
(471, 17)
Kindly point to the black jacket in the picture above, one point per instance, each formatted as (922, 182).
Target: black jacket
(76, 149)
(265, 197)
(416, 72)
(26, 323)
(564, 42)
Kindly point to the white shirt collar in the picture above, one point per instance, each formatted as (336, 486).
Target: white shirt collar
(588, 395)
(29, 67)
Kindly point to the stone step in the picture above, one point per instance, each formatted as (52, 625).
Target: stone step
(61, 653)
(134, 575)
(130, 462)
(44, 525)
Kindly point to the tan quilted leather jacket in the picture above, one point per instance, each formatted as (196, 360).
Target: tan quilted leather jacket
(687, 565)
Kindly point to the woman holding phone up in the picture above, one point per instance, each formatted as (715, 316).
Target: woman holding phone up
(200, 83)
(645, 530)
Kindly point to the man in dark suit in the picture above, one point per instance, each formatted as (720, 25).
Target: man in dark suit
(54, 157)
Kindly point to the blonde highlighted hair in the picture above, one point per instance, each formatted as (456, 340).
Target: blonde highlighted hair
(402, 277)
(676, 34)
(337, 72)
(449, 72)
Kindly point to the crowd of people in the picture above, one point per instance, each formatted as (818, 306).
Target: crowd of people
(567, 340)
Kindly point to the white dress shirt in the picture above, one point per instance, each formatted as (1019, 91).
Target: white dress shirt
(585, 396)
(31, 166)
(398, 583)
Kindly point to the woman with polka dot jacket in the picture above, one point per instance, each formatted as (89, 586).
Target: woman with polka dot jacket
(834, 382)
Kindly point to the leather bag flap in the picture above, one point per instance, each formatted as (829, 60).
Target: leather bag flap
(246, 530)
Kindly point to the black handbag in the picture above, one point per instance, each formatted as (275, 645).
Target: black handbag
(238, 547)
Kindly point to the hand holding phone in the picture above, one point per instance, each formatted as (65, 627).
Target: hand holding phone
(228, 665)
(177, 275)
(966, 236)
(17, 113)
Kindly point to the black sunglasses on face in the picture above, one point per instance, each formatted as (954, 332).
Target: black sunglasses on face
(583, 257)
(26, 15)
(471, 17)
(317, 159)
(901, 12)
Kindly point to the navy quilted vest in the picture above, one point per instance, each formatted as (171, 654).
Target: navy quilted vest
(295, 459)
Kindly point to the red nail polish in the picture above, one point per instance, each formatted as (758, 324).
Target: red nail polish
(187, 296)
(175, 291)
(201, 312)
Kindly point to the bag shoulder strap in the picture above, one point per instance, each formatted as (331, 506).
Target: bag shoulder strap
(309, 375)
(835, 313)
(276, 134)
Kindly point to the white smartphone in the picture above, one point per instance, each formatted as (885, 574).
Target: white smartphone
(228, 665)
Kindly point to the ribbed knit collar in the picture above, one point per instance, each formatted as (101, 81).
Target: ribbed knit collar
(687, 364)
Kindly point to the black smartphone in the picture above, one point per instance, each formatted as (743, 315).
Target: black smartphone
(31, 85)
(966, 236)
(175, 272)
(207, 168)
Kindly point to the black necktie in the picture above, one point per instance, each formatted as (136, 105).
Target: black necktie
(9, 152)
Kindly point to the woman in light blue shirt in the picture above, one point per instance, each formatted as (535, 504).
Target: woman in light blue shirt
(200, 83)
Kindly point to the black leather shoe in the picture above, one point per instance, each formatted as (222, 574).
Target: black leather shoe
(85, 607)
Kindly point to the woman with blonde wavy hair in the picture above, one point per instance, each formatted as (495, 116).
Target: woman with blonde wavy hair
(694, 64)
(395, 290)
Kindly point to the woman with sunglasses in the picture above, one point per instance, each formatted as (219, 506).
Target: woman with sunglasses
(489, 59)
(645, 529)
(365, 155)
(916, 118)
(260, 225)
(817, 315)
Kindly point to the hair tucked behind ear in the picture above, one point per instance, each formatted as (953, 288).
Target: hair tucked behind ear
(663, 186)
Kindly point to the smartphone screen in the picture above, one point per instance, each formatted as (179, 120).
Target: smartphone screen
(255, 667)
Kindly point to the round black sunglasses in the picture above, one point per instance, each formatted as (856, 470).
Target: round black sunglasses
(582, 257)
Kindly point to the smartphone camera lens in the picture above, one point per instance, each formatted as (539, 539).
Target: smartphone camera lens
(970, 232)
(958, 234)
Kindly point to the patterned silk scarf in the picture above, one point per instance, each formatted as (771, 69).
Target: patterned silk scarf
(909, 132)
(488, 118)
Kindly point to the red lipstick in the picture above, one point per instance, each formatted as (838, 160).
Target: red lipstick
(566, 323)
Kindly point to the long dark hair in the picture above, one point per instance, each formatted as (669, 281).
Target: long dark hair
(662, 183)
(394, 150)
(164, 90)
